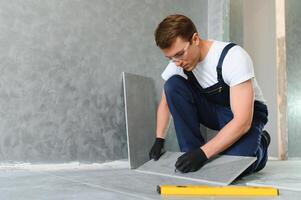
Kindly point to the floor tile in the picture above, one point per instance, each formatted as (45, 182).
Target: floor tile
(219, 171)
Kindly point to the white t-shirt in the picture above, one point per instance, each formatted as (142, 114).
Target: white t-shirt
(237, 68)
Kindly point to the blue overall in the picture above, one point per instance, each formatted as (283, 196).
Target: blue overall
(191, 105)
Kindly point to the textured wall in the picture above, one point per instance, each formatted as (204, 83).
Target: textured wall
(236, 18)
(215, 19)
(293, 57)
(259, 39)
(60, 73)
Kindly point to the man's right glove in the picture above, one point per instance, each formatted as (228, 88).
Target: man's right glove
(191, 161)
(157, 150)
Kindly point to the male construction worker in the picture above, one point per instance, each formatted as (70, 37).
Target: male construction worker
(211, 83)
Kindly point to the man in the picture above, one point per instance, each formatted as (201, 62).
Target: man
(211, 83)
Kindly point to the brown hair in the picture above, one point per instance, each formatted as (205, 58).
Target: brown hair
(171, 27)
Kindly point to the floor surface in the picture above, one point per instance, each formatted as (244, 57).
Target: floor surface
(284, 175)
(108, 182)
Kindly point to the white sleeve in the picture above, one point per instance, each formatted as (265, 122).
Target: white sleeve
(172, 69)
(237, 67)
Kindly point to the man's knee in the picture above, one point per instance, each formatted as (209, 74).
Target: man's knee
(173, 84)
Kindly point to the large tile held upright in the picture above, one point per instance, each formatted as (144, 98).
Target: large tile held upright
(222, 170)
(140, 110)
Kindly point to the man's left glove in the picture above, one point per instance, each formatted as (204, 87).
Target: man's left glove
(191, 161)
(157, 149)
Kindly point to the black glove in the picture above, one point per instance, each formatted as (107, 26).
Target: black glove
(157, 149)
(191, 161)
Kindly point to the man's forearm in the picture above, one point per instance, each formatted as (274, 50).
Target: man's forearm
(227, 136)
(163, 117)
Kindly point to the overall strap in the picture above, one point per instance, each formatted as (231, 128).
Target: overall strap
(221, 60)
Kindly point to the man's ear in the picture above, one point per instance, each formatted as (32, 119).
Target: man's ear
(195, 39)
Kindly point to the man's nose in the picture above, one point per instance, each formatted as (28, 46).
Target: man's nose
(179, 63)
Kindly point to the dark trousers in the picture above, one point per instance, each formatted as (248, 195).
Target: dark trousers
(190, 108)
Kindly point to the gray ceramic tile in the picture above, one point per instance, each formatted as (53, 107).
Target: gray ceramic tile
(140, 109)
(220, 171)
(280, 174)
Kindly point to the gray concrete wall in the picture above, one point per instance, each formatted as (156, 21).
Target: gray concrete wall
(236, 19)
(259, 36)
(216, 19)
(293, 57)
(60, 73)
(253, 26)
